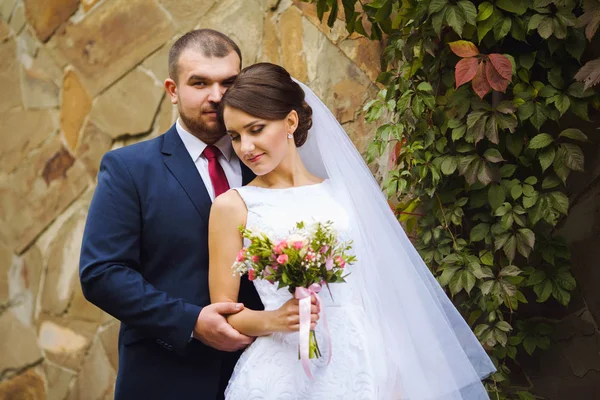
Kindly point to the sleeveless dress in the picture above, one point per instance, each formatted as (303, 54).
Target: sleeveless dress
(270, 368)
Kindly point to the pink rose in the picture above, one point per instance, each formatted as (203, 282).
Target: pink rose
(255, 259)
(329, 264)
(251, 274)
(282, 259)
(279, 246)
(340, 261)
(241, 255)
(298, 245)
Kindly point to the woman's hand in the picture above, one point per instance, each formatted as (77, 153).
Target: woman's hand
(287, 317)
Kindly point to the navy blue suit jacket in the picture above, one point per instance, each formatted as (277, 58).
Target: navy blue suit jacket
(144, 260)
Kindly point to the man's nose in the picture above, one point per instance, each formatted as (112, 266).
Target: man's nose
(216, 93)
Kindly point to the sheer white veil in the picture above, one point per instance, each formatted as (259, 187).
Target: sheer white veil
(425, 348)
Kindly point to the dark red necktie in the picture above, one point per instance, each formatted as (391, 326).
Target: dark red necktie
(215, 171)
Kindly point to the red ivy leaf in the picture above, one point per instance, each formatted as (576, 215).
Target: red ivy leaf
(466, 69)
(496, 81)
(503, 65)
(394, 154)
(463, 48)
(480, 82)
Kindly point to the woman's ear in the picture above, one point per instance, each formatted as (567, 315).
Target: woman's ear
(292, 121)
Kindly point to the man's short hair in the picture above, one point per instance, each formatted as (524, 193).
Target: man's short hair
(209, 42)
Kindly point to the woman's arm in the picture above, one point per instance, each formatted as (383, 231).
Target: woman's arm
(227, 213)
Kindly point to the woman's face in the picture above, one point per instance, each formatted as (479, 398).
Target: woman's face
(261, 144)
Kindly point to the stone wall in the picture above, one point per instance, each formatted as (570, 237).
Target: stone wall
(78, 78)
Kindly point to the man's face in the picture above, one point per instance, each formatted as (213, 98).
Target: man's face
(202, 83)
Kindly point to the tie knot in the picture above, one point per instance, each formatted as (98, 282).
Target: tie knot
(211, 152)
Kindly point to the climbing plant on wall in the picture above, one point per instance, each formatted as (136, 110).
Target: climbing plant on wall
(472, 111)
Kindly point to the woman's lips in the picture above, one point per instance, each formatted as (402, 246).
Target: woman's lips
(256, 158)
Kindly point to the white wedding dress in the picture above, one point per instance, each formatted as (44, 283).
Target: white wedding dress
(270, 368)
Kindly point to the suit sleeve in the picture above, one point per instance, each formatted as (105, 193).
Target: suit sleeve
(110, 263)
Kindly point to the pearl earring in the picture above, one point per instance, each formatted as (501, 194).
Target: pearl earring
(289, 136)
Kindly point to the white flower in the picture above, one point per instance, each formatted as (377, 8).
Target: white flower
(293, 238)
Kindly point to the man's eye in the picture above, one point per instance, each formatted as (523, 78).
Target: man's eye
(199, 84)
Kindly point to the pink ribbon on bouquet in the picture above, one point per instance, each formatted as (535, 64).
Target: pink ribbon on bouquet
(304, 294)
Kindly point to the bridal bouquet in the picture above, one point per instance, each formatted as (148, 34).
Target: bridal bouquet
(308, 258)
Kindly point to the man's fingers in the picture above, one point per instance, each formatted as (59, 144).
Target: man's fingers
(228, 308)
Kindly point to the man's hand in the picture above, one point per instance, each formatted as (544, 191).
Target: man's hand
(213, 330)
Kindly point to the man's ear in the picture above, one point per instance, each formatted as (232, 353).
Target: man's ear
(291, 121)
(171, 88)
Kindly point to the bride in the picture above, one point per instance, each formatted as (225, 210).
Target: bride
(394, 333)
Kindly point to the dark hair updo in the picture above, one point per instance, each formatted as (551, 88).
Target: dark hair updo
(267, 91)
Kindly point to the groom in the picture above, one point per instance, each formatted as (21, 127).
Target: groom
(144, 257)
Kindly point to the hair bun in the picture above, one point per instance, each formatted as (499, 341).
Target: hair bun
(304, 124)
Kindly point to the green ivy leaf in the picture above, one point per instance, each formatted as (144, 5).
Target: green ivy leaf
(456, 19)
(574, 134)
(493, 155)
(458, 133)
(546, 27)
(437, 5)
(513, 6)
(516, 191)
(562, 104)
(560, 166)
(510, 248)
(529, 201)
(551, 181)
(573, 156)
(526, 110)
(496, 196)
(510, 270)
(538, 116)
(546, 158)
(469, 11)
(543, 291)
(437, 20)
(507, 170)
(502, 28)
(514, 144)
(555, 78)
(484, 27)
(479, 232)
(449, 165)
(535, 21)
(486, 10)
(540, 141)
(580, 109)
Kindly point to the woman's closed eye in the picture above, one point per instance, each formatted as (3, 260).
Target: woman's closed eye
(257, 128)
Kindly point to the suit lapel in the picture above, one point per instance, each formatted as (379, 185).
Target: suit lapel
(178, 161)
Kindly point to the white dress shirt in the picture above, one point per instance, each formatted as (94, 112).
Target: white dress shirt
(227, 159)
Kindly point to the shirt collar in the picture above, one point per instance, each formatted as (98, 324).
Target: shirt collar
(195, 146)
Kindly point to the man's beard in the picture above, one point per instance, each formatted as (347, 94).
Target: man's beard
(200, 129)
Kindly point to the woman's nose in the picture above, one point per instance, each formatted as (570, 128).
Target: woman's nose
(247, 144)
